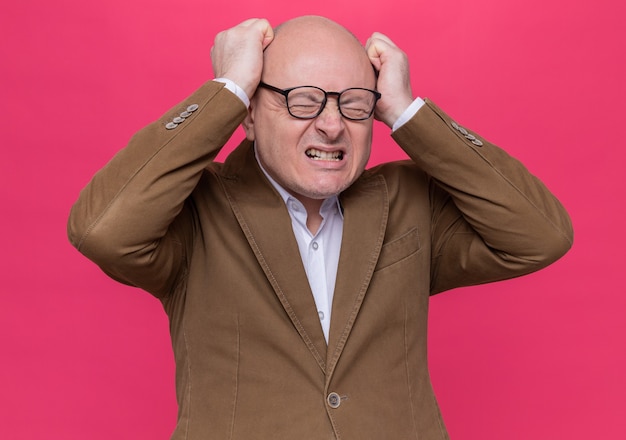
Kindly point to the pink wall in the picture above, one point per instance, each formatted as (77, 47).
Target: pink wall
(542, 357)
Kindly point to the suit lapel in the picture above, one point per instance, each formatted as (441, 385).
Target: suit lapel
(366, 207)
(264, 219)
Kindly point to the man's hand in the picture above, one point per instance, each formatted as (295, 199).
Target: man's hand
(394, 81)
(237, 53)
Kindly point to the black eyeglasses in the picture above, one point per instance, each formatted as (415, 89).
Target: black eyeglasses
(307, 102)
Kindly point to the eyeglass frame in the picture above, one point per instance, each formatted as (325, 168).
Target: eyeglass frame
(285, 93)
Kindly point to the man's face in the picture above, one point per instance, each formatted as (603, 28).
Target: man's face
(320, 157)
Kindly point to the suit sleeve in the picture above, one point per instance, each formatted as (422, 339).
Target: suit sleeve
(491, 219)
(132, 218)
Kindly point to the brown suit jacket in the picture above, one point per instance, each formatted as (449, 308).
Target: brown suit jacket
(214, 243)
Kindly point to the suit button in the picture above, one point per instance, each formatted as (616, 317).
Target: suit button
(333, 400)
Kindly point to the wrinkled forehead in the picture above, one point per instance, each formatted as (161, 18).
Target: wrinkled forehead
(316, 49)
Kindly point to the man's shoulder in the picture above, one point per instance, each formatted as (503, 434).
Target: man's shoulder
(399, 176)
(398, 169)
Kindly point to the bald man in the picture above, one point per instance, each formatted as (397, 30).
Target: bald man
(296, 282)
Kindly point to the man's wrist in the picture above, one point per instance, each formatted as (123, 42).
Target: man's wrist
(408, 113)
(233, 87)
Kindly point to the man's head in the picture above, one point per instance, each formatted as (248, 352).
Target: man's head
(319, 157)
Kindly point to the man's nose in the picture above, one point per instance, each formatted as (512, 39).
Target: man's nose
(330, 120)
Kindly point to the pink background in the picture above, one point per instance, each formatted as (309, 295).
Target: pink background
(541, 357)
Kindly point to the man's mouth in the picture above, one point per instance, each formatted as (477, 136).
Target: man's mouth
(324, 155)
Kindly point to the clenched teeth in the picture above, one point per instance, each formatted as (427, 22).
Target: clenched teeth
(324, 155)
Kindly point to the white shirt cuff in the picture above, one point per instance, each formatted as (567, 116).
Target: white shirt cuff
(408, 113)
(230, 85)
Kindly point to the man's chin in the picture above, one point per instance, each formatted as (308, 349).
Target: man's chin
(322, 188)
(322, 193)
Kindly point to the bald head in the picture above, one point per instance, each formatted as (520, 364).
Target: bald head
(319, 157)
(314, 23)
(311, 48)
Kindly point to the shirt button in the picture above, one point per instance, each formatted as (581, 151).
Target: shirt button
(333, 400)
(321, 314)
(315, 245)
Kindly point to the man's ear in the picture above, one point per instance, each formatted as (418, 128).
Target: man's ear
(248, 122)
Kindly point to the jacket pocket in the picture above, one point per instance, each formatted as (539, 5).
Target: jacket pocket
(399, 249)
